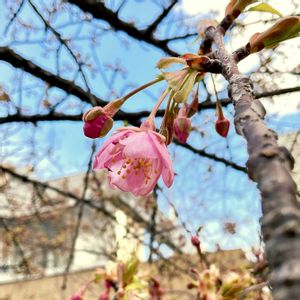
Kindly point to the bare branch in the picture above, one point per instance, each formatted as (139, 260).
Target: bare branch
(151, 28)
(18, 246)
(28, 66)
(15, 15)
(79, 218)
(203, 153)
(99, 11)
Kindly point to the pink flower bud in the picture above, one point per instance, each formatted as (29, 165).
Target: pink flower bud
(104, 296)
(195, 241)
(79, 294)
(182, 128)
(76, 297)
(194, 271)
(222, 126)
(155, 290)
(97, 123)
(191, 285)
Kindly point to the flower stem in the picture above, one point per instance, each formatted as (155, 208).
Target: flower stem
(112, 107)
(218, 103)
(142, 87)
(158, 103)
(149, 122)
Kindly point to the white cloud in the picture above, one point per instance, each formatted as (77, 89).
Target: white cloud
(193, 7)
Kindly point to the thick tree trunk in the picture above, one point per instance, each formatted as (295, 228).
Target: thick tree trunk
(269, 165)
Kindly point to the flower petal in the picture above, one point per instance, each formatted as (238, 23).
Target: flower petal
(167, 171)
(106, 152)
(176, 78)
(139, 145)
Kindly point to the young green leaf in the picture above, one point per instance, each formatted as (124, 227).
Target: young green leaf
(265, 7)
(284, 29)
(182, 95)
(235, 7)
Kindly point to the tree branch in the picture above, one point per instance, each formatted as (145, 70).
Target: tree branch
(212, 156)
(151, 28)
(8, 55)
(269, 165)
(99, 11)
(18, 246)
(78, 221)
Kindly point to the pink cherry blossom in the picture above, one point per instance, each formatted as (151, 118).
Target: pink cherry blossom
(135, 158)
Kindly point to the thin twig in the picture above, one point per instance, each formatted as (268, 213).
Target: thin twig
(79, 218)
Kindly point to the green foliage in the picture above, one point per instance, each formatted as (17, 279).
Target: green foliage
(265, 7)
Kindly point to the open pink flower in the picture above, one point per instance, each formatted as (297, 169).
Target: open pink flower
(135, 158)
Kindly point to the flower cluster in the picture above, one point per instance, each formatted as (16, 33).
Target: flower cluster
(136, 157)
(214, 284)
(121, 281)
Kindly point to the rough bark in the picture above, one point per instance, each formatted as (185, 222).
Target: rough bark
(269, 165)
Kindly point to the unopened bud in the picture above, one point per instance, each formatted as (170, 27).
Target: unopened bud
(182, 128)
(191, 285)
(103, 296)
(79, 294)
(98, 121)
(76, 297)
(195, 241)
(235, 7)
(284, 29)
(194, 271)
(222, 126)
